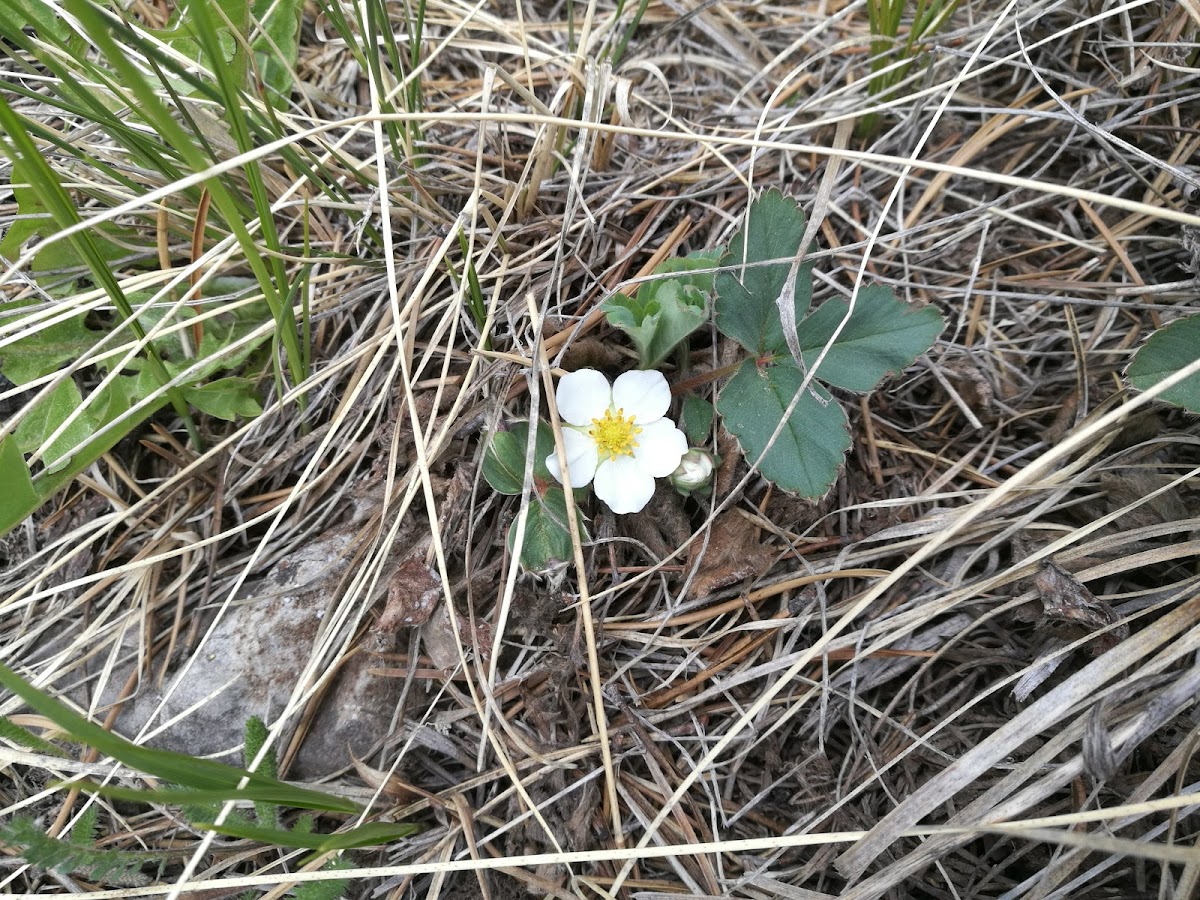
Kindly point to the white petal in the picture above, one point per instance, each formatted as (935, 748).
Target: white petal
(583, 395)
(581, 458)
(643, 395)
(623, 485)
(660, 448)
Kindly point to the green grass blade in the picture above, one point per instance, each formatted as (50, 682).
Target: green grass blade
(368, 835)
(176, 768)
(262, 790)
(98, 27)
(19, 146)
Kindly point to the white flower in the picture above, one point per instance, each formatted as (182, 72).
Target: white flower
(617, 435)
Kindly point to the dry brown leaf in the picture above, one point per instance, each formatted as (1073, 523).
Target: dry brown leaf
(1064, 598)
(733, 553)
(973, 386)
(437, 636)
(390, 783)
(413, 594)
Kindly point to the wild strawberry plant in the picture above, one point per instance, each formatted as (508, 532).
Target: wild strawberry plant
(858, 344)
(778, 404)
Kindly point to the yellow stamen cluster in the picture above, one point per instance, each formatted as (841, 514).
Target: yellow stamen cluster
(614, 434)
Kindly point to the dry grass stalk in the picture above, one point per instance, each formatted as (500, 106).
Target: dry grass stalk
(800, 730)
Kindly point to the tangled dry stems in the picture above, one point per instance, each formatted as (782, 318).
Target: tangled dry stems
(970, 630)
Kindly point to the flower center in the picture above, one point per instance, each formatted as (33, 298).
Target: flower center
(614, 434)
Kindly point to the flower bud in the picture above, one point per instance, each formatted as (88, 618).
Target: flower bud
(695, 472)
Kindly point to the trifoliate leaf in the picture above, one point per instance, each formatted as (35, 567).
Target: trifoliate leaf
(697, 269)
(657, 325)
(547, 538)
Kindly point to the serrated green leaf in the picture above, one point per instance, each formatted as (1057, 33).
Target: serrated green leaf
(22, 737)
(118, 867)
(696, 420)
(665, 311)
(745, 302)
(325, 890)
(658, 323)
(884, 336)
(808, 452)
(546, 536)
(504, 461)
(697, 269)
(1168, 350)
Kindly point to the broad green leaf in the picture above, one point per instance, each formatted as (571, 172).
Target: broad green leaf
(275, 41)
(504, 461)
(111, 241)
(47, 416)
(39, 16)
(696, 420)
(45, 350)
(368, 835)
(16, 505)
(277, 46)
(746, 296)
(181, 36)
(18, 498)
(808, 452)
(17, 142)
(546, 535)
(167, 765)
(883, 337)
(225, 398)
(219, 333)
(1166, 352)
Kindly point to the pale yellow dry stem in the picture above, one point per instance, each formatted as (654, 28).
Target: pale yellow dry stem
(703, 107)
